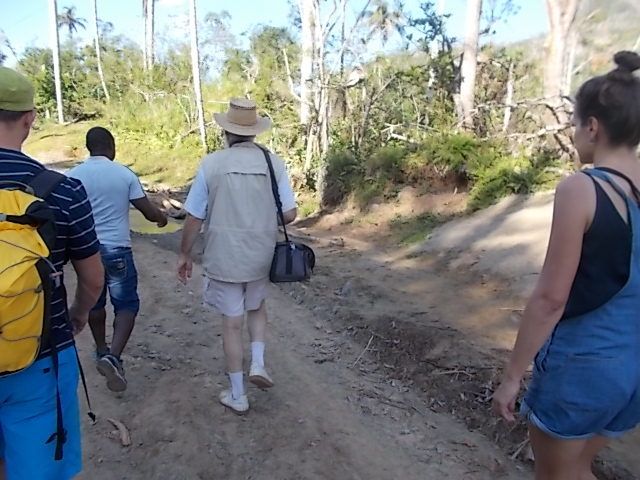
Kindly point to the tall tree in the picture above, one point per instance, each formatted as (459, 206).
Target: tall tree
(562, 15)
(55, 48)
(470, 61)
(195, 66)
(96, 33)
(149, 41)
(5, 45)
(385, 20)
(308, 9)
(68, 19)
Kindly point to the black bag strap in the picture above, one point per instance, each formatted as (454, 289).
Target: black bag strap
(60, 435)
(45, 182)
(274, 189)
(90, 413)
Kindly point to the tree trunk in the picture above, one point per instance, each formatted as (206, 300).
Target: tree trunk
(470, 61)
(149, 34)
(570, 63)
(562, 14)
(144, 39)
(195, 66)
(98, 53)
(307, 14)
(55, 48)
(434, 50)
(508, 99)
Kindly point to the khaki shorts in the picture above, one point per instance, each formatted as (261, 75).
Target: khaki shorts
(234, 299)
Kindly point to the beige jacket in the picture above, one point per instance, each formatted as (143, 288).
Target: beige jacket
(241, 225)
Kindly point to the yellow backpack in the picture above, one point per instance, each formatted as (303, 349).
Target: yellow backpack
(27, 275)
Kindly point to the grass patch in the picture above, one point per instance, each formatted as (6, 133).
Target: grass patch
(412, 230)
(57, 143)
(152, 160)
(307, 205)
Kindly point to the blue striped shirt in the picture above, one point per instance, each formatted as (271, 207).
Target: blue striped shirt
(76, 237)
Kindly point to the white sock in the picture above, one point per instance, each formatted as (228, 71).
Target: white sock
(257, 353)
(237, 384)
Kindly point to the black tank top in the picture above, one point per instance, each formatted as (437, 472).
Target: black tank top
(605, 259)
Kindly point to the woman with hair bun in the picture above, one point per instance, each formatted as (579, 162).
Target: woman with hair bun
(582, 323)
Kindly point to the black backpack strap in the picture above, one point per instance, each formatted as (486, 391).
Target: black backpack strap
(45, 182)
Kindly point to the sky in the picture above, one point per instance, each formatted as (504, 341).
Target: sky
(24, 22)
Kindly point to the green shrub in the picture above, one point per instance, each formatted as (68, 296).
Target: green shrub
(343, 173)
(387, 163)
(368, 190)
(511, 175)
(442, 154)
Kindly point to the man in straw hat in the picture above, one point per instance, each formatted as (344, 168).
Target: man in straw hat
(232, 196)
(37, 439)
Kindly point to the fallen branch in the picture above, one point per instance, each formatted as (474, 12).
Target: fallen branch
(363, 352)
(521, 447)
(453, 372)
(125, 437)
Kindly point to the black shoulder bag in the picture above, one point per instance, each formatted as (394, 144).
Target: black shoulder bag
(292, 261)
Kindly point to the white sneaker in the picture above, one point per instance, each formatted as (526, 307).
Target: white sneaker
(239, 406)
(259, 377)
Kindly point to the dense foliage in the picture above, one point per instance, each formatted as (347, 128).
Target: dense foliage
(396, 125)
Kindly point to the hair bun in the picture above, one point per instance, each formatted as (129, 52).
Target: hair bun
(627, 61)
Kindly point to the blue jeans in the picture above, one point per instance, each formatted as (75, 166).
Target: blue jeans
(28, 418)
(121, 280)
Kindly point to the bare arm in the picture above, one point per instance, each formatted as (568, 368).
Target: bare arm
(573, 211)
(289, 216)
(190, 232)
(90, 273)
(150, 211)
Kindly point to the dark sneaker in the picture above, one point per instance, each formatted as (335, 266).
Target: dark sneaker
(99, 354)
(111, 368)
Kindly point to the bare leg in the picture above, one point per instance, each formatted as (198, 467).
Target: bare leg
(232, 340)
(556, 459)
(257, 320)
(122, 327)
(588, 455)
(97, 321)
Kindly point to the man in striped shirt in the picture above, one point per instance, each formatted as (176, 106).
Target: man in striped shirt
(28, 398)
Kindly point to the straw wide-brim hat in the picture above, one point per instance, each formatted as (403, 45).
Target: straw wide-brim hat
(242, 118)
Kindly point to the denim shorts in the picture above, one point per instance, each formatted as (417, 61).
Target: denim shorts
(28, 418)
(579, 397)
(121, 280)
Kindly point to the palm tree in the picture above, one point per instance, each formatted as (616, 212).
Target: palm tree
(5, 43)
(195, 66)
(69, 20)
(97, 45)
(384, 20)
(55, 47)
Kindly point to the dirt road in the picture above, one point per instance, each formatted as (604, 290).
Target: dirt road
(384, 364)
(332, 414)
